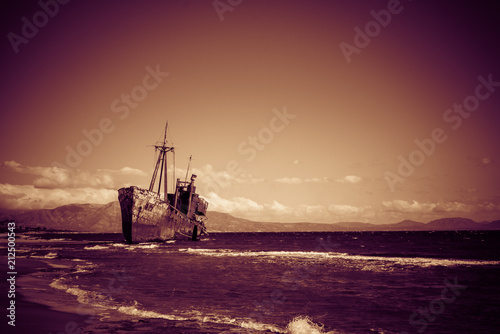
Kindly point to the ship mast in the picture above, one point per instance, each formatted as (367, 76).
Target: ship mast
(162, 161)
(165, 184)
(187, 170)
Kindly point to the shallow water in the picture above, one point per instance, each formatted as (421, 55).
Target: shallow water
(340, 282)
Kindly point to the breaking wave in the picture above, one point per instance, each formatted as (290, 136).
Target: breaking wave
(96, 247)
(135, 310)
(327, 256)
(304, 325)
(101, 301)
(122, 246)
(49, 256)
(134, 247)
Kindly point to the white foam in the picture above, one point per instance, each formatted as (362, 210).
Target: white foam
(226, 320)
(260, 327)
(85, 268)
(412, 261)
(51, 255)
(95, 299)
(96, 247)
(56, 284)
(418, 261)
(146, 246)
(134, 247)
(136, 311)
(304, 325)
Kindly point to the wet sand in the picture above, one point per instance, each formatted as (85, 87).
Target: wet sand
(32, 317)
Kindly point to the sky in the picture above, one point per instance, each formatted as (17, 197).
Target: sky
(292, 111)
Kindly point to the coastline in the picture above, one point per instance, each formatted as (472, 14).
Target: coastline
(36, 317)
(33, 317)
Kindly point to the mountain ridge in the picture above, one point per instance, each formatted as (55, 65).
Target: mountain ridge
(107, 218)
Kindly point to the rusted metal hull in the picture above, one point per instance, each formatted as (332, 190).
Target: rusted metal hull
(147, 217)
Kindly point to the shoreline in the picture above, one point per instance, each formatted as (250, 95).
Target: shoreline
(33, 317)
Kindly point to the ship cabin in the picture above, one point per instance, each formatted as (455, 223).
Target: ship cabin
(186, 200)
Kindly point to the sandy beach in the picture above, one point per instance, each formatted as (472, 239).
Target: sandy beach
(33, 317)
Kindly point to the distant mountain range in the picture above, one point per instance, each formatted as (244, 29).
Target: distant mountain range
(107, 218)
(223, 222)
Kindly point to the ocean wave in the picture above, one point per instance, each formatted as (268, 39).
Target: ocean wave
(88, 267)
(227, 320)
(49, 256)
(96, 247)
(193, 315)
(420, 261)
(92, 298)
(302, 324)
(102, 301)
(145, 246)
(122, 246)
(327, 256)
(135, 310)
(134, 247)
(260, 326)
(30, 237)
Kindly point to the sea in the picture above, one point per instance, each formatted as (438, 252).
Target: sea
(307, 282)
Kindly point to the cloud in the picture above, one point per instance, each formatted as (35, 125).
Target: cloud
(125, 171)
(58, 177)
(27, 197)
(352, 179)
(312, 213)
(297, 180)
(317, 180)
(388, 211)
(343, 209)
(289, 180)
(248, 179)
(428, 207)
(278, 208)
(211, 180)
(55, 186)
(405, 206)
(235, 205)
(278, 212)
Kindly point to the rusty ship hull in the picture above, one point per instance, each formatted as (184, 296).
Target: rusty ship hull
(151, 216)
(147, 217)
